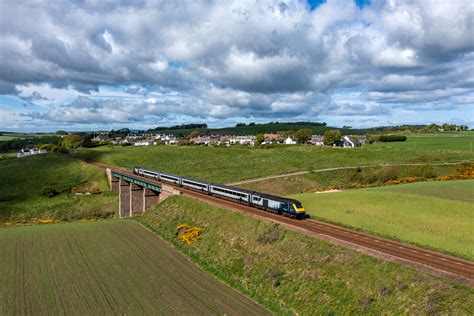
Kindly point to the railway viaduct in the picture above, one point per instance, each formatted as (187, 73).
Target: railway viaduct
(136, 194)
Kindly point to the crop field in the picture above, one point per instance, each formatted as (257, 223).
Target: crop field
(106, 267)
(234, 163)
(437, 215)
(292, 273)
(23, 183)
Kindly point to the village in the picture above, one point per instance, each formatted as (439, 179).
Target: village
(148, 139)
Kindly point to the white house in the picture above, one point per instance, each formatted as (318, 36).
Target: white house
(30, 152)
(290, 141)
(144, 143)
(243, 140)
(317, 140)
(348, 142)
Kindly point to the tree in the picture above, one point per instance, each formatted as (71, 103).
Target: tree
(71, 141)
(304, 135)
(194, 134)
(240, 124)
(332, 137)
(260, 138)
(86, 141)
(61, 132)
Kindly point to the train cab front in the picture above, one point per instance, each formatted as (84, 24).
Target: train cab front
(299, 210)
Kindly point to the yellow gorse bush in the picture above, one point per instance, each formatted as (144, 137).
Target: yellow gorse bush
(188, 234)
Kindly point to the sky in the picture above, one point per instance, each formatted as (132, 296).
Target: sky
(101, 65)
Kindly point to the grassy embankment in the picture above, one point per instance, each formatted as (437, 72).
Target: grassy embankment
(291, 272)
(354, 178)
(106, 267)
(437, 215)
(26, 184)
(235, 163)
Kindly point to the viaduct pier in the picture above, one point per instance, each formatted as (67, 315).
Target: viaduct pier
(137, 194)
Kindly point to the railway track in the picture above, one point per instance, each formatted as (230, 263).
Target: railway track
(455, 268)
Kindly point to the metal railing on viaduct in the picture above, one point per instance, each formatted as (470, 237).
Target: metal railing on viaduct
(137, 194)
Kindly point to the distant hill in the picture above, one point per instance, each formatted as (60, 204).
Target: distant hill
(253, 129)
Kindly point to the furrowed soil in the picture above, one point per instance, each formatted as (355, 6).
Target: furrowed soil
(296, 274)
(434, 214)
(106, 267)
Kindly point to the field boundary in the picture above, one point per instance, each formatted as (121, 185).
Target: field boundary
(299, 173)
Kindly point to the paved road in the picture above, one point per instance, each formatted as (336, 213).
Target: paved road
(298, 173)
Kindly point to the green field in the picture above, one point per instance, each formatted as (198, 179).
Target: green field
(438, 215)
(292, 273)
(106, 267)
(234, 163)
(23, 180)
(462, 141)
(6, 138)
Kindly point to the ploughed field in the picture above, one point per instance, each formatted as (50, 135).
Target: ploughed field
(222, 164)
(437, 215)
(106, 267)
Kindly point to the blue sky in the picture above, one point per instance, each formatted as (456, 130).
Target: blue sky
(87, 65)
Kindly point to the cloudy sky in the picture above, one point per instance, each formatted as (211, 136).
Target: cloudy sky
(85, 65)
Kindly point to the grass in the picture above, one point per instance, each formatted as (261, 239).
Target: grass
(235, 163)
(461, 141)
(348, 178)
(23, 180)
(106, 267)
(437, 215)
(293, 273)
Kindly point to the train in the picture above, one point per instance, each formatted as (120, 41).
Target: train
(266, 202)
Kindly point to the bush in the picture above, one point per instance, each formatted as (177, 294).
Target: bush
(59, 149)
(184, 142)
(49, 192)
(269, 236)
(95, 190)
(392, 138)
(48, 147)
(126, 144)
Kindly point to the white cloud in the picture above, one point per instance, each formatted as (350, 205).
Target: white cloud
(255, 59)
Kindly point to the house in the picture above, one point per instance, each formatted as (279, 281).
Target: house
(201, 140)
(317, 140)
(30, 152)
(290, 141)
(243, 140)
(101, 138)
(145, 143)
(350, 142)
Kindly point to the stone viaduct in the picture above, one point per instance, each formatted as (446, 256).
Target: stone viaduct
(137, 194)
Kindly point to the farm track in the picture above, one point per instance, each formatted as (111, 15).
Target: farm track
(455, 268)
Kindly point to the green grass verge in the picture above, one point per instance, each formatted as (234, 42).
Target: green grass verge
(438, 215)
(23, 180)
(293, 273)
(106, 268)
(234, 163)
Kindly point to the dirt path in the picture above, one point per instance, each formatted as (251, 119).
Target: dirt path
(299, 173)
